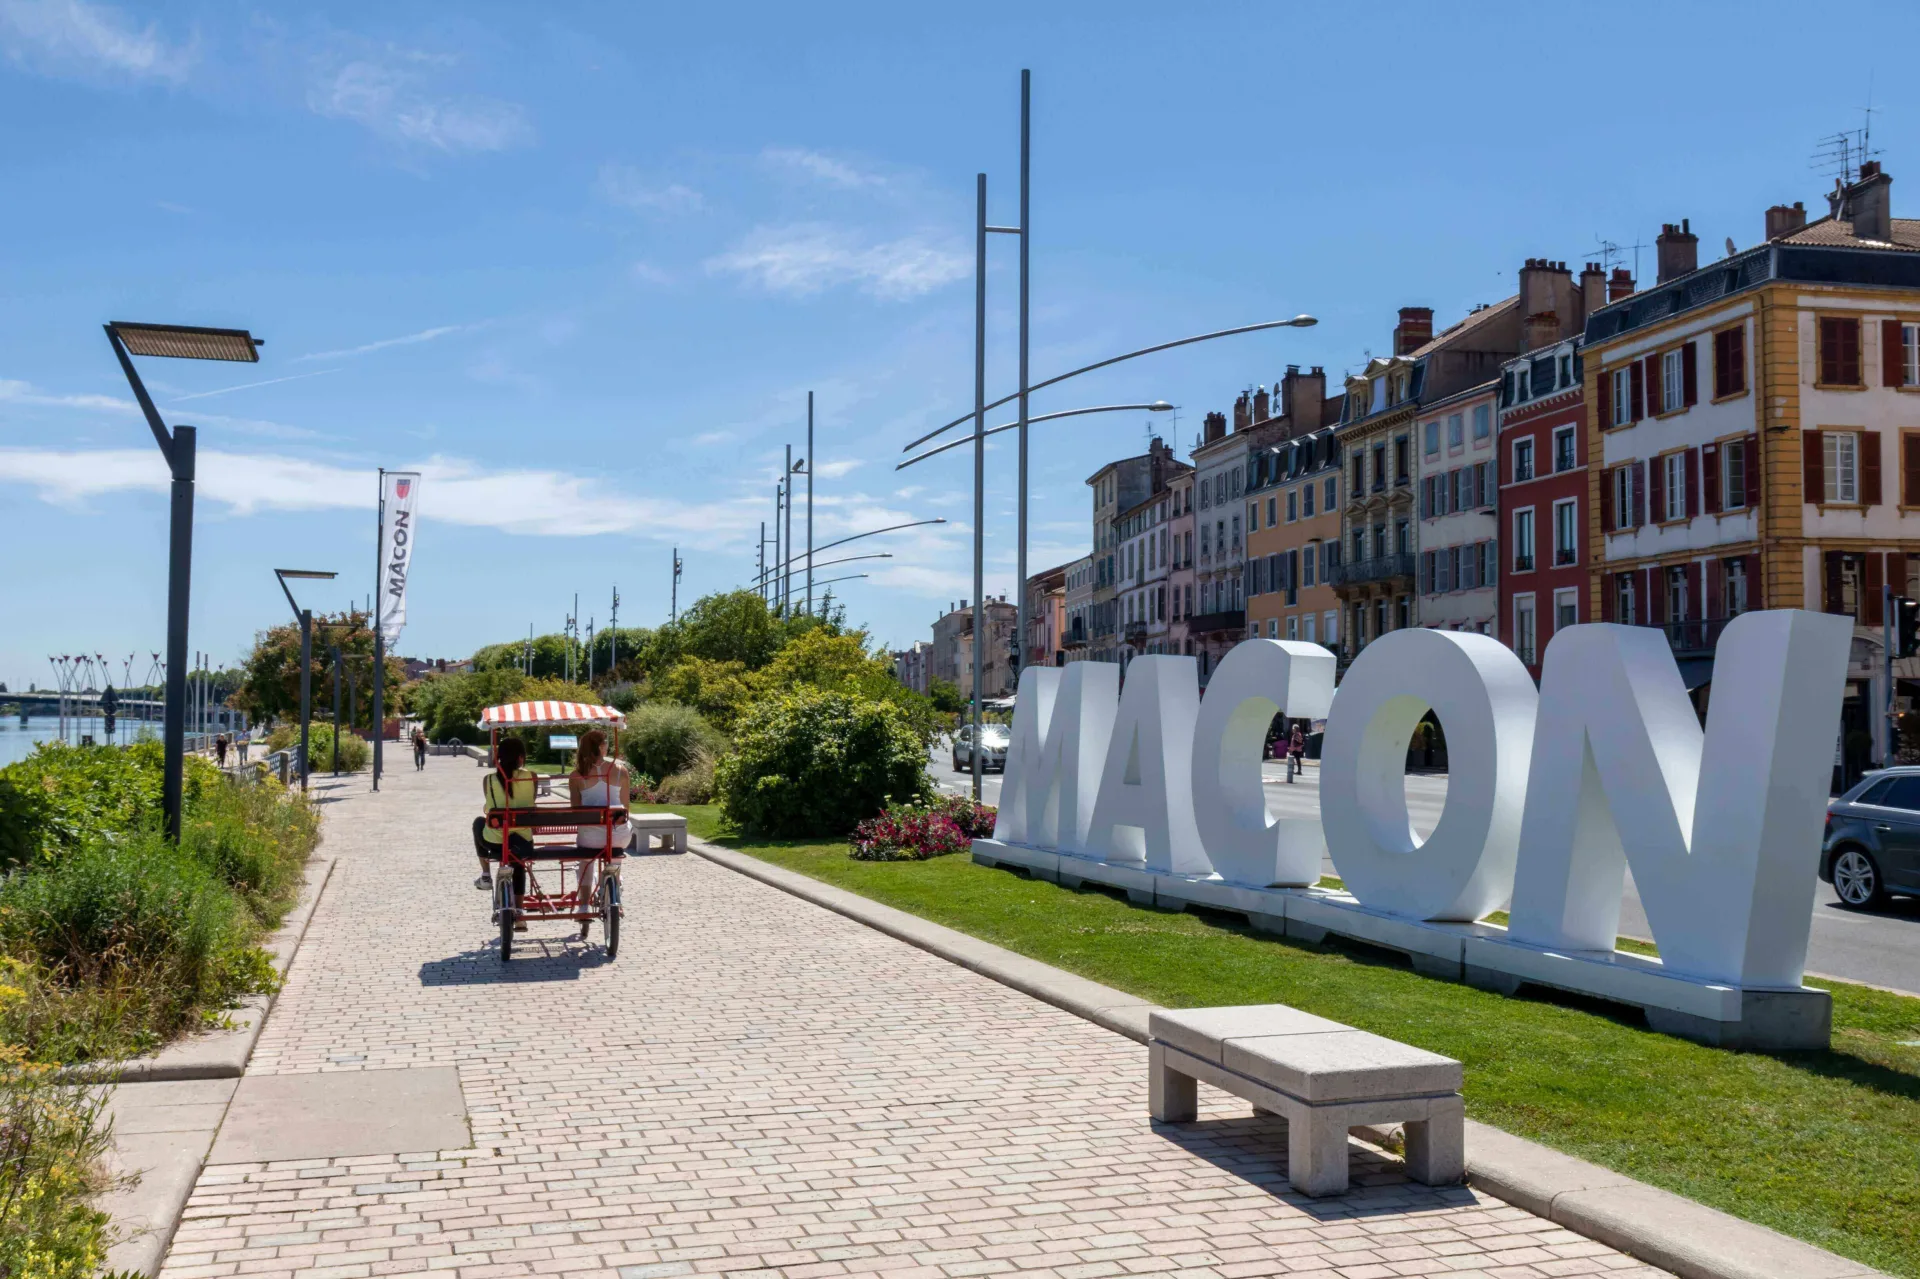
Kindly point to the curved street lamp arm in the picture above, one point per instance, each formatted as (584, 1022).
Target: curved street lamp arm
(1297, 322)
(1044, 417)
(872, 532)
(848, 578)
(847, 559)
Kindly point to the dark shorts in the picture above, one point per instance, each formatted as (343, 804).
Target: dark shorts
(521, 844)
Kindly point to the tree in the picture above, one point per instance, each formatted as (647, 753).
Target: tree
(945, 696)
(269, 681)
(718, 690)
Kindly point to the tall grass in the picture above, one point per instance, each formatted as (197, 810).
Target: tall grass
(53, 1139)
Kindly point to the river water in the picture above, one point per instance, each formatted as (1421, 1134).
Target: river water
(18, 739)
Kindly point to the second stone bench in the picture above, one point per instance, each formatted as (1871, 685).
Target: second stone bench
(1323, 1078)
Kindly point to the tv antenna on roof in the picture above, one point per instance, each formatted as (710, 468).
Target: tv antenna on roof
(1841, 154)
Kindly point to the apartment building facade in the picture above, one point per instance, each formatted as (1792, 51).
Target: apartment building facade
(953, 639)
(1759, 436)
(1459, 511)
(1293, 516)
(1544, 452)
(1219, 620)
(912, 666)
(1046, 617)
(1118, 487)
(1180, 572)
(1144, 559)
(1078, 602)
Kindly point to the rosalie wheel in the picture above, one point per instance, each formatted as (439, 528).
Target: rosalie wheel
(610, 913)
(504, 910)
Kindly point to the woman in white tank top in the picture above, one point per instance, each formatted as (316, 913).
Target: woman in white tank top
(597, 782)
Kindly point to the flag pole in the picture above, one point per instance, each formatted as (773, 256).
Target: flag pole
(379, 645)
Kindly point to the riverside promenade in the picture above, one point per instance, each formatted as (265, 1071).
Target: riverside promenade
(756, 1086)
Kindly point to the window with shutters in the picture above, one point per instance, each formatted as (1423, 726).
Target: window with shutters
(1306, 501)
(1523, 540)
(1483, 421)
(1293, 507)
(1523, 629)
(1623, 599)
(1733, 475)
(1622, 397)
(1673, 486)
(1622, 480)
(1839, 358)
(1566, 532)
(1910, 355)
(1733, 580)
(1673, 387)
(1840, 462)
(1730, 362)
(1677, 593)
(1522, 461)
(1566, 608)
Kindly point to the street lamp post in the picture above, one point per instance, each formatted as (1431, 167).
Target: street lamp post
(333, 656)
(176, 341)
(773, 571)
(304, 616)
(808, 461)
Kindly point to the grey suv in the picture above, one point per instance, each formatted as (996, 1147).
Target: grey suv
(1872, 844)
(993, 748)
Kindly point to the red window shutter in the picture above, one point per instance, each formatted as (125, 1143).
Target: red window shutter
(1722, 360)
(1637, 377)
(1639, 515)
(1737, 345)
(1641, 614)
(1606, 501)
(1893, 365)
(1693, 482)
(1870, 612)
(1870, 467)
(1753, 471)
(1714, 602)
(1910, 468)
(1696, 595)
(1710, 477)
(1815, 466)
(1603, 398)
(1833, 600)
(1657, 488)
(1655, 402)
(1689, 375)
(1607, 590)
(1897, 571)
(1657, 596)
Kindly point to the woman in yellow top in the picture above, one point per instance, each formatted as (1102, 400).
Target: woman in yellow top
(511, 785)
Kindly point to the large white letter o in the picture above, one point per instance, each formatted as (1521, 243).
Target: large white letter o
(1486, 703)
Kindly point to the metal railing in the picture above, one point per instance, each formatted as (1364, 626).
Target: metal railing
(1699, 635)
(1377, 569)
(1232, 619)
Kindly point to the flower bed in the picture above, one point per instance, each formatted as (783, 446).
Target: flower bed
(948, 825)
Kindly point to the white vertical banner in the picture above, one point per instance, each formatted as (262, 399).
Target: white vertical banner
(399, 498)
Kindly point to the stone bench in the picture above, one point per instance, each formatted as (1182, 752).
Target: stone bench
(1323, 1078)
(670, 827)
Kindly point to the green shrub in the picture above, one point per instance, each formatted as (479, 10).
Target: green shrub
(811, 763)
(61, 796)
(53, 1143)
(355, 751)
(664, 738)
(693, 784)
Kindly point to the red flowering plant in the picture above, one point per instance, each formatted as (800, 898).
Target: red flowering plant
(949, 825)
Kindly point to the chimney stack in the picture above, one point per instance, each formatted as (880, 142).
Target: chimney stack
(1305, 396)
(1546, 298)
(1619, 285)
(1871, 202)
(1786, 219)
(1542, 328)
(1593, 289)
(1216, 427)
(1678, 250)
(1414, 330)
(1242, 412)
(1284, 391)
(1262, 405)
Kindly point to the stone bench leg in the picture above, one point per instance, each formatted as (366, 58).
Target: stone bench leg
(1437, 1146)
(1172, 1098)
(680, 839)
(1317, 1150)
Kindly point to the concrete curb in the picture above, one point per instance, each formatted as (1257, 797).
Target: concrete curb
(223, 1054)
(1656, 1226)
(167, 1164)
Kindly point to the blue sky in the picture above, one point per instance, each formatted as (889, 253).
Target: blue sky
(582, 263)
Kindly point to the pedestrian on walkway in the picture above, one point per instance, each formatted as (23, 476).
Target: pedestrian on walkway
(419, 749)
(220, 749)
(1296, 753)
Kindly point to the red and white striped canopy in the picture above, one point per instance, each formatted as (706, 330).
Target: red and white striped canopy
(539, 714)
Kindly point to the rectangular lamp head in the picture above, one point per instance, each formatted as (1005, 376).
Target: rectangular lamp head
(304, 572)
(185, 342)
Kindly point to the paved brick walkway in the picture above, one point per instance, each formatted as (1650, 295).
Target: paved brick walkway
(759, 1086)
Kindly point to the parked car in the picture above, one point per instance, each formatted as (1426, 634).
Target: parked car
(1872, 844)
(993, 748)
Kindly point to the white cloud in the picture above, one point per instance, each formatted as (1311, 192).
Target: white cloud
(71, 35)
(347, 353)
(627, 187)
(808, 258)
(390, 101)
(14, 391)
(535, 503)
(834, 470)
(708, 438)
(821, 168)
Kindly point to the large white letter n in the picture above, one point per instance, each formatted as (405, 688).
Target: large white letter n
(1722, 828)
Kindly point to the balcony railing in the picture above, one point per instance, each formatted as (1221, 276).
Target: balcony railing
(1694, 637)
(1564, 555)
(1378, 569)
(1233, 619)
(1136, 633)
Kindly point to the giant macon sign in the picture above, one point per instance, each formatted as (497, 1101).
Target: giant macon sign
(1553, 795)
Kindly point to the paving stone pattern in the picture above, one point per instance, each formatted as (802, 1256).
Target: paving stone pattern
(759, 1086)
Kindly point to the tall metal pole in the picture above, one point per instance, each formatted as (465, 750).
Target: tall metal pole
(379, 632)
(979, 463)
(773, 581)
(786, 570)
(613, 634)
(306, 691)
(810, 470)
(1887, 641)
(333, 655)
(1020, 553)
(179, 592)
(760, 556)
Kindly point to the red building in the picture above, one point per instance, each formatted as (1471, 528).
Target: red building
(1543, 494)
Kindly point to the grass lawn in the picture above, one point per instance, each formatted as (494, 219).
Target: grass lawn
(1821, 1145)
